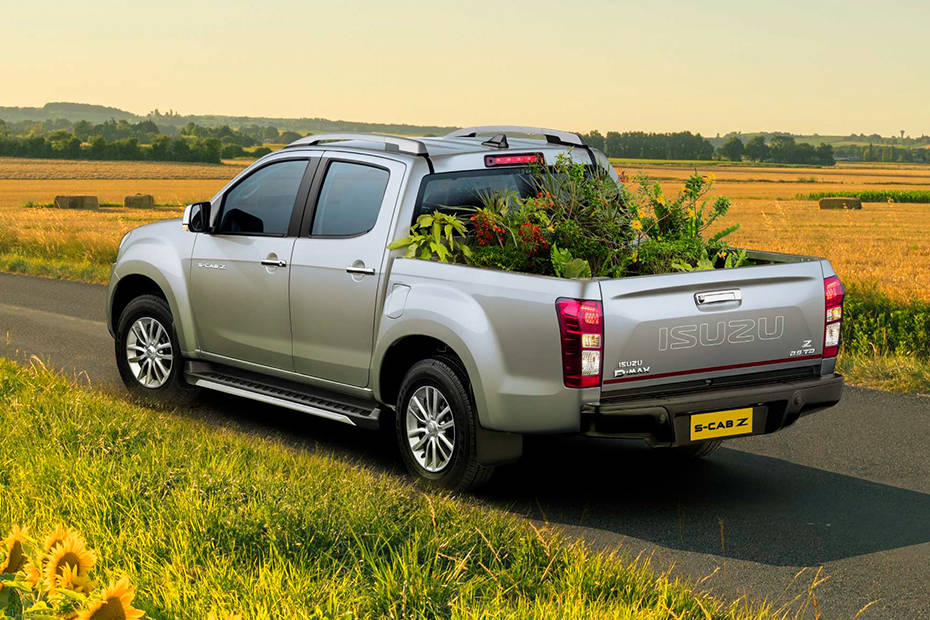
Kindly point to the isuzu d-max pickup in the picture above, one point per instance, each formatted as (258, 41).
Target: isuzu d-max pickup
(280, 289)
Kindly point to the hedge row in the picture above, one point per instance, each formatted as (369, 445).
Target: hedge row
(896, 195)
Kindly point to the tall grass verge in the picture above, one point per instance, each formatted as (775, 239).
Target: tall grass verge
(875, 324)
(204, 518)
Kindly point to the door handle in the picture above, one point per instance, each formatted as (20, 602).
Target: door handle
(367, 271)
(718, 297)
(273, 262)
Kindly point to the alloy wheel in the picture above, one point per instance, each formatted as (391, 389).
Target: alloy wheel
(149, 352)
(430, 428)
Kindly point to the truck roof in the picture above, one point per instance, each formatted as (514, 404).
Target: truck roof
(442, 153)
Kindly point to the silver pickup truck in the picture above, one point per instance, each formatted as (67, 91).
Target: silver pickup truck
(280, 290)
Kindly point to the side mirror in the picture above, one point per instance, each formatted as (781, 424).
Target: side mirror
(196, 217)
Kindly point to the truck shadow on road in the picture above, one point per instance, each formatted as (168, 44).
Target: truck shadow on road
(733, 504)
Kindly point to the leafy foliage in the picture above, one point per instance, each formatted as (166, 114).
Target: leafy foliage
(581, 223)
(435, 236)
(671, 233)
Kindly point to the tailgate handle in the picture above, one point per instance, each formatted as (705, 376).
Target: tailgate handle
(718, 297)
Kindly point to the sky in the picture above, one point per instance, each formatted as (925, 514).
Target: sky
(713, 66)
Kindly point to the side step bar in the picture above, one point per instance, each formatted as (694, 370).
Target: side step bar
(295, 396)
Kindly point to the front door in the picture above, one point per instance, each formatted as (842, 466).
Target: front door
(240, 272)
(337, 263)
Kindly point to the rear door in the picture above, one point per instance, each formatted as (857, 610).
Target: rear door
(701, 325)
(240, 272)
(337, 263)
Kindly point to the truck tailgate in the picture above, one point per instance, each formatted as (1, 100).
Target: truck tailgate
(700, 325)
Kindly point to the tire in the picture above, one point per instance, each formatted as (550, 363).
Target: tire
(696, 450)
(418, 405)
(155, 373)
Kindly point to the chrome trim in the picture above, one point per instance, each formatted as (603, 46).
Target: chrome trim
(368, 271)
(271, 400)
(273, 263)
(718, 297)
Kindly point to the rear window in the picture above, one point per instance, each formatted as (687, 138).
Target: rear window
(453, 191)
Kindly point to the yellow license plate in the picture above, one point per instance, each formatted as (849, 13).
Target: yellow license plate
(721, 424)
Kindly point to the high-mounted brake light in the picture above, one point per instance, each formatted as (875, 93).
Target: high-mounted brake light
(833, 294)
(581, 328)
(512, 160)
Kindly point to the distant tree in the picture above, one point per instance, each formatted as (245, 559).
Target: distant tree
(781, 148)
(83, 130)
(732, 149)
(756, 149)
(287, 137)
(595, 140)
(231, 151)
(825, 154)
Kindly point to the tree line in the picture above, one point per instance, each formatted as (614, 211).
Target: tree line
(780, 149)
(121, 140)
(878, 152)
(642, 145)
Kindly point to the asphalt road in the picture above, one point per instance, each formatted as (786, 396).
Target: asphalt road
(847, 489)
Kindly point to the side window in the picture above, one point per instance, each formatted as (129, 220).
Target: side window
(262, 204)
(350, 199)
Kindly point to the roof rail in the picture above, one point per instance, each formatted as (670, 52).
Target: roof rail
(391, 143)
(553, 136)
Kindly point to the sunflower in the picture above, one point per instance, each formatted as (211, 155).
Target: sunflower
(12, 546)
(59, 534)
(70, 552)
(115, 604)
(33, 574)
(70, 579)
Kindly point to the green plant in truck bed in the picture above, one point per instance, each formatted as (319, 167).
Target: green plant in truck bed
(578, 222)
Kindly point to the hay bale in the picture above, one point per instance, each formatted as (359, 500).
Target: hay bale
(840, 202)
(76, 202)
(139, 201)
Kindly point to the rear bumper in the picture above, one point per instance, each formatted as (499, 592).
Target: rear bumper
(664, 421)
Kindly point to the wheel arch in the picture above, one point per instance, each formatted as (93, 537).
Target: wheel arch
(125, 290)
(406, 351)
(134, 278)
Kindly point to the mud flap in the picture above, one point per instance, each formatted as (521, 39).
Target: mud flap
(497, 448)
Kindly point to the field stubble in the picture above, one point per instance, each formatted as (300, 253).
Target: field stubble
(884, 245)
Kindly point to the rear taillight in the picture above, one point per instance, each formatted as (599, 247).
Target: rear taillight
(522, 159)
(581, 328)
(833, 294)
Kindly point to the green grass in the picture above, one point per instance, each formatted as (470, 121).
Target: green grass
(888, 195)
(891, 373)
(46, 267)
(57, 253)
(202, 516)
(876, 325)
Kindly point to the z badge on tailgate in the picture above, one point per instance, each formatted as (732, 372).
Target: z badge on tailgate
(721, 424)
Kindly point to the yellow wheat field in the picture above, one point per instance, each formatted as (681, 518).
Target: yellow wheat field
(884, 244)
